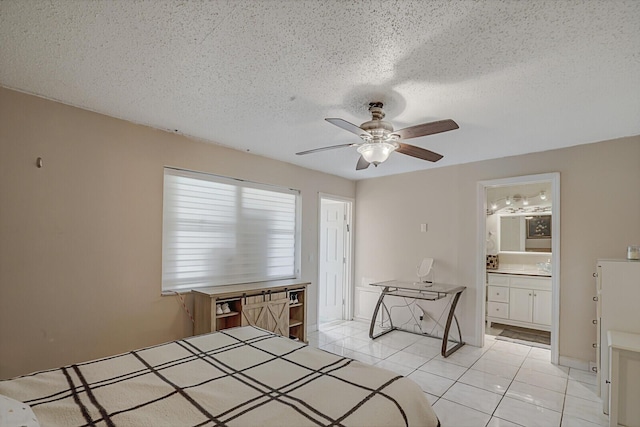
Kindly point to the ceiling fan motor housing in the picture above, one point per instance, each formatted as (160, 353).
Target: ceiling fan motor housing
(377, 127)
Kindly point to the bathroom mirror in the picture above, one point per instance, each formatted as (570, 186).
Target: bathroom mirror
(525, 233)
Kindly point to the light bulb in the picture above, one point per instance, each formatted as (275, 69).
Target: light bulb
(543, 195)
(494, 206)
(525, 202)
(508, 201)
(376, 152)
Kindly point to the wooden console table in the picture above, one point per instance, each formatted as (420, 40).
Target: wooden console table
(266, 305)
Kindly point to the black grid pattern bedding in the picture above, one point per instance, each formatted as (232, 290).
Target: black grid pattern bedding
(237, 377)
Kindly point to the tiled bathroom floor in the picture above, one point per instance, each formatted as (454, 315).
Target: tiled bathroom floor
(503, 384)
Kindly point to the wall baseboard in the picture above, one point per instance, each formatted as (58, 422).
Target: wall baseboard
(362, 319)
(571, 362)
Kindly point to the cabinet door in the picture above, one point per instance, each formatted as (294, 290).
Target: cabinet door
(278, 317)
(542, 307)
(255, 315)
(512, 232)
(520, 304)
(272, 316)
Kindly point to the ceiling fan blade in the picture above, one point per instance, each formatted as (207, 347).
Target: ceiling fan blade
(331, 147)
(343, 124)
(420, 153)
(362, 164)
(427, 129)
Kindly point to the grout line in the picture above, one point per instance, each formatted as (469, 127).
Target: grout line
(467, 368)
(508, 387)
(564, 399)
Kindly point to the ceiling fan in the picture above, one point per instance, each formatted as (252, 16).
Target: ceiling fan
(379, 139)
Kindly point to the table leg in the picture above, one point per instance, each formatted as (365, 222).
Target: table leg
(375, 315)
(445, 337)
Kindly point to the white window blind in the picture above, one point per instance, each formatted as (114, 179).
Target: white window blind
(220, 231)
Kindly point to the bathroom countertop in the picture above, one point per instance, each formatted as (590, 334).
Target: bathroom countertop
(521, 272)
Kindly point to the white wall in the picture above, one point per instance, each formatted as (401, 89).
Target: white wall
(600, 205)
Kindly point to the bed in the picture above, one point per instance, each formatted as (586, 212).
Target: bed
(236, 377)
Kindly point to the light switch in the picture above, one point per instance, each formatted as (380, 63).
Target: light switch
(423, 228)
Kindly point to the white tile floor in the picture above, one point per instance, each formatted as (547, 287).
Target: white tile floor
(503, 384)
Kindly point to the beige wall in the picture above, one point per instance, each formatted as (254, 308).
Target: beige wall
(80, 239)
(600, 217)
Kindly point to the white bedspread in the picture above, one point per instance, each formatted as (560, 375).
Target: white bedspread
(237, 377)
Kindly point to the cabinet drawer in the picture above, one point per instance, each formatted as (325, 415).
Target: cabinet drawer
(498, 293)
(498, 279)
(498, 309)
(536, 283)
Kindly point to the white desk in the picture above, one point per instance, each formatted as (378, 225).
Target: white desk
(420, 291)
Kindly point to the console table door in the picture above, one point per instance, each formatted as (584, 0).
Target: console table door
(254, 313)
(278, 317)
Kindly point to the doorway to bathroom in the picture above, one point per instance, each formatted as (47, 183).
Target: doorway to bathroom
(519, 260)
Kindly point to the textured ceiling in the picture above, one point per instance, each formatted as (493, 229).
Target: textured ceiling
(260, 76)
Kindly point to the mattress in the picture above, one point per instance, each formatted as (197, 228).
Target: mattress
(236, 377)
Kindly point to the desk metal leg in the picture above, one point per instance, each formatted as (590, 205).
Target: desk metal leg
(375, 315)
(445, 337)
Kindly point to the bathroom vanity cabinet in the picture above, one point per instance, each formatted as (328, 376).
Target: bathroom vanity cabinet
(519, 300)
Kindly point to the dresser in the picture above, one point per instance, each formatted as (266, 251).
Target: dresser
(277, 306)
(519, 300)
(618, 310)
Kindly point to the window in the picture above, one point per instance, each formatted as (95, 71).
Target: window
(221, 231)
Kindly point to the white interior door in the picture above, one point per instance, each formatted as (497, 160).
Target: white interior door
(333, 227)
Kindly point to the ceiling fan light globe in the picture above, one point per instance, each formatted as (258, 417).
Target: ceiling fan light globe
(376, 152)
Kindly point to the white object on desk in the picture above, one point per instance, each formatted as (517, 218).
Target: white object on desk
(624, 374)
(424, 269)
